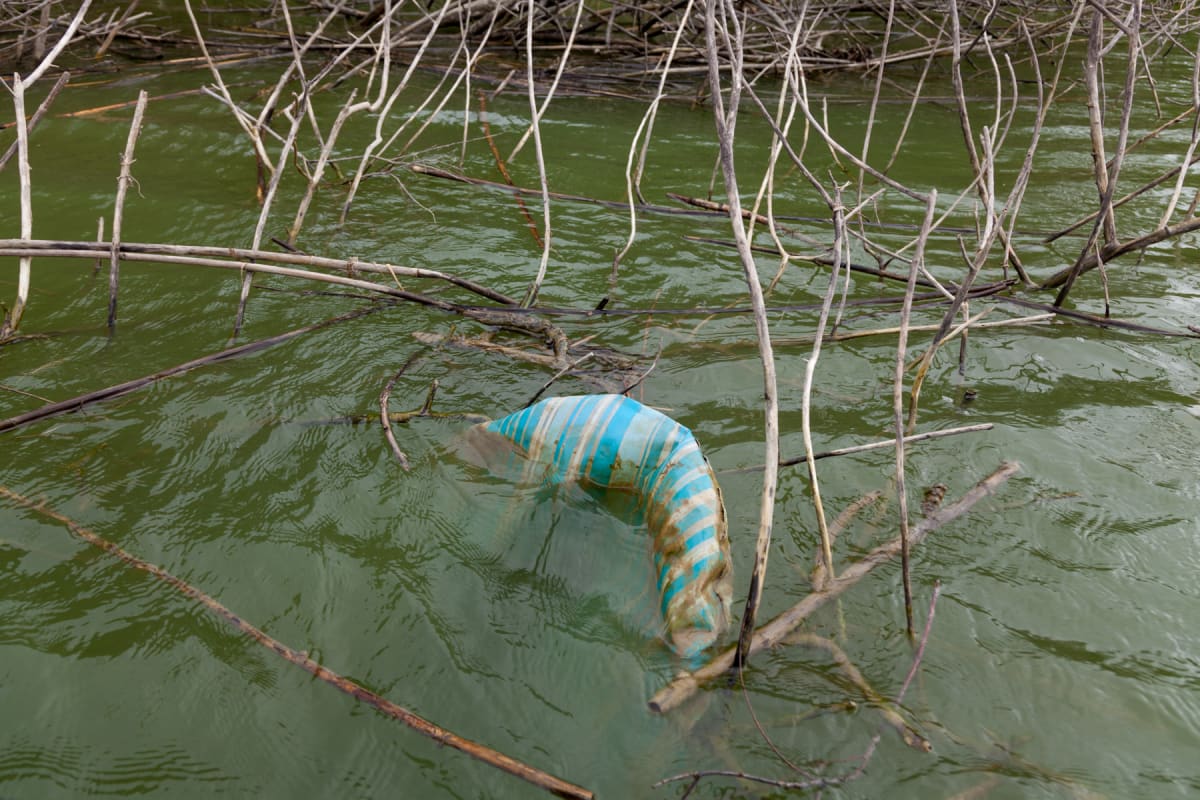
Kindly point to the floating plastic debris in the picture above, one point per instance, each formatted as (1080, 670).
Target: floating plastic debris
(612, 443)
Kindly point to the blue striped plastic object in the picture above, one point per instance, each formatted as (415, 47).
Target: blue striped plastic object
(613, 443)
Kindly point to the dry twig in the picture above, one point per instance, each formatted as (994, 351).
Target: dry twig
(123, 181)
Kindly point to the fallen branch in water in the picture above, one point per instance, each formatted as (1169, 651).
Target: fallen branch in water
(108, 393)
(445, 174)
(529, 322)
(500, 165)
(613, 374)
(863, 448)
(1100, 322)
(558, 375)
(12, 320)
(770, 634)
(887, 710)
(123, 181)
(821, 782)
(542, 780)
(237, 258)
(385, 418)
(819, 576)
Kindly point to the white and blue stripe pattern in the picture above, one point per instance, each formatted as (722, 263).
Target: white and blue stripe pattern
(612, 442)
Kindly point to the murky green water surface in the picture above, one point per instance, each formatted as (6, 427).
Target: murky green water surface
(1064, 660)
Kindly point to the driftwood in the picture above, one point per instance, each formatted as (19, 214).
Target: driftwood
(238, 258)
(542, 780)
(774, 631)
(79, 402)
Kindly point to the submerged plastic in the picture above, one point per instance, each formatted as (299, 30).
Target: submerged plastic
(614, 443)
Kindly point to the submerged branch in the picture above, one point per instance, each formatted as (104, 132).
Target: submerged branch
(542, 780)
(237, 258)
(774, 631)
(79, 402)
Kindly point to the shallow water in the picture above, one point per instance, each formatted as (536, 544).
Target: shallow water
(1064, 660)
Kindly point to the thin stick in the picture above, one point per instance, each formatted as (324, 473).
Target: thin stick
(633, 176)
(839, 524)
(1100, 322)
(864, 448)
(785, 114)
(285, 152)
(916, 95)
(770, 634)
(887, 710)
(418, 113)
(383, 20)
(964, 119)
(79, 402)
(260, 152)
(303, 105)
(725, 122)
(384, 417)
(99, 241)
(426, 409)
(684, 16)
(841, 253)
(536, 286)
(562, 65)
(887, 40)
(503, 168)
(999, 323)
(383, 103)
(201, 255)
(318, 171)
(43, 27)
(558, 375)
(87, 112)
(1095, 106)
(768, 187)
(898, 405)
(987, 172)
(58, 47)
(629, 387)
(123, 181)
(114, 30)
(1104, 284)
(920, 654)
(1124, 199)
(892, 718)
(248, 276)
(12, 320)
(37, 115)
(1045, 99)
(542, 780)
(1107, 220)
(1109, 252)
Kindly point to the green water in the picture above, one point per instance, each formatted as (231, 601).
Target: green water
(1064, 660)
